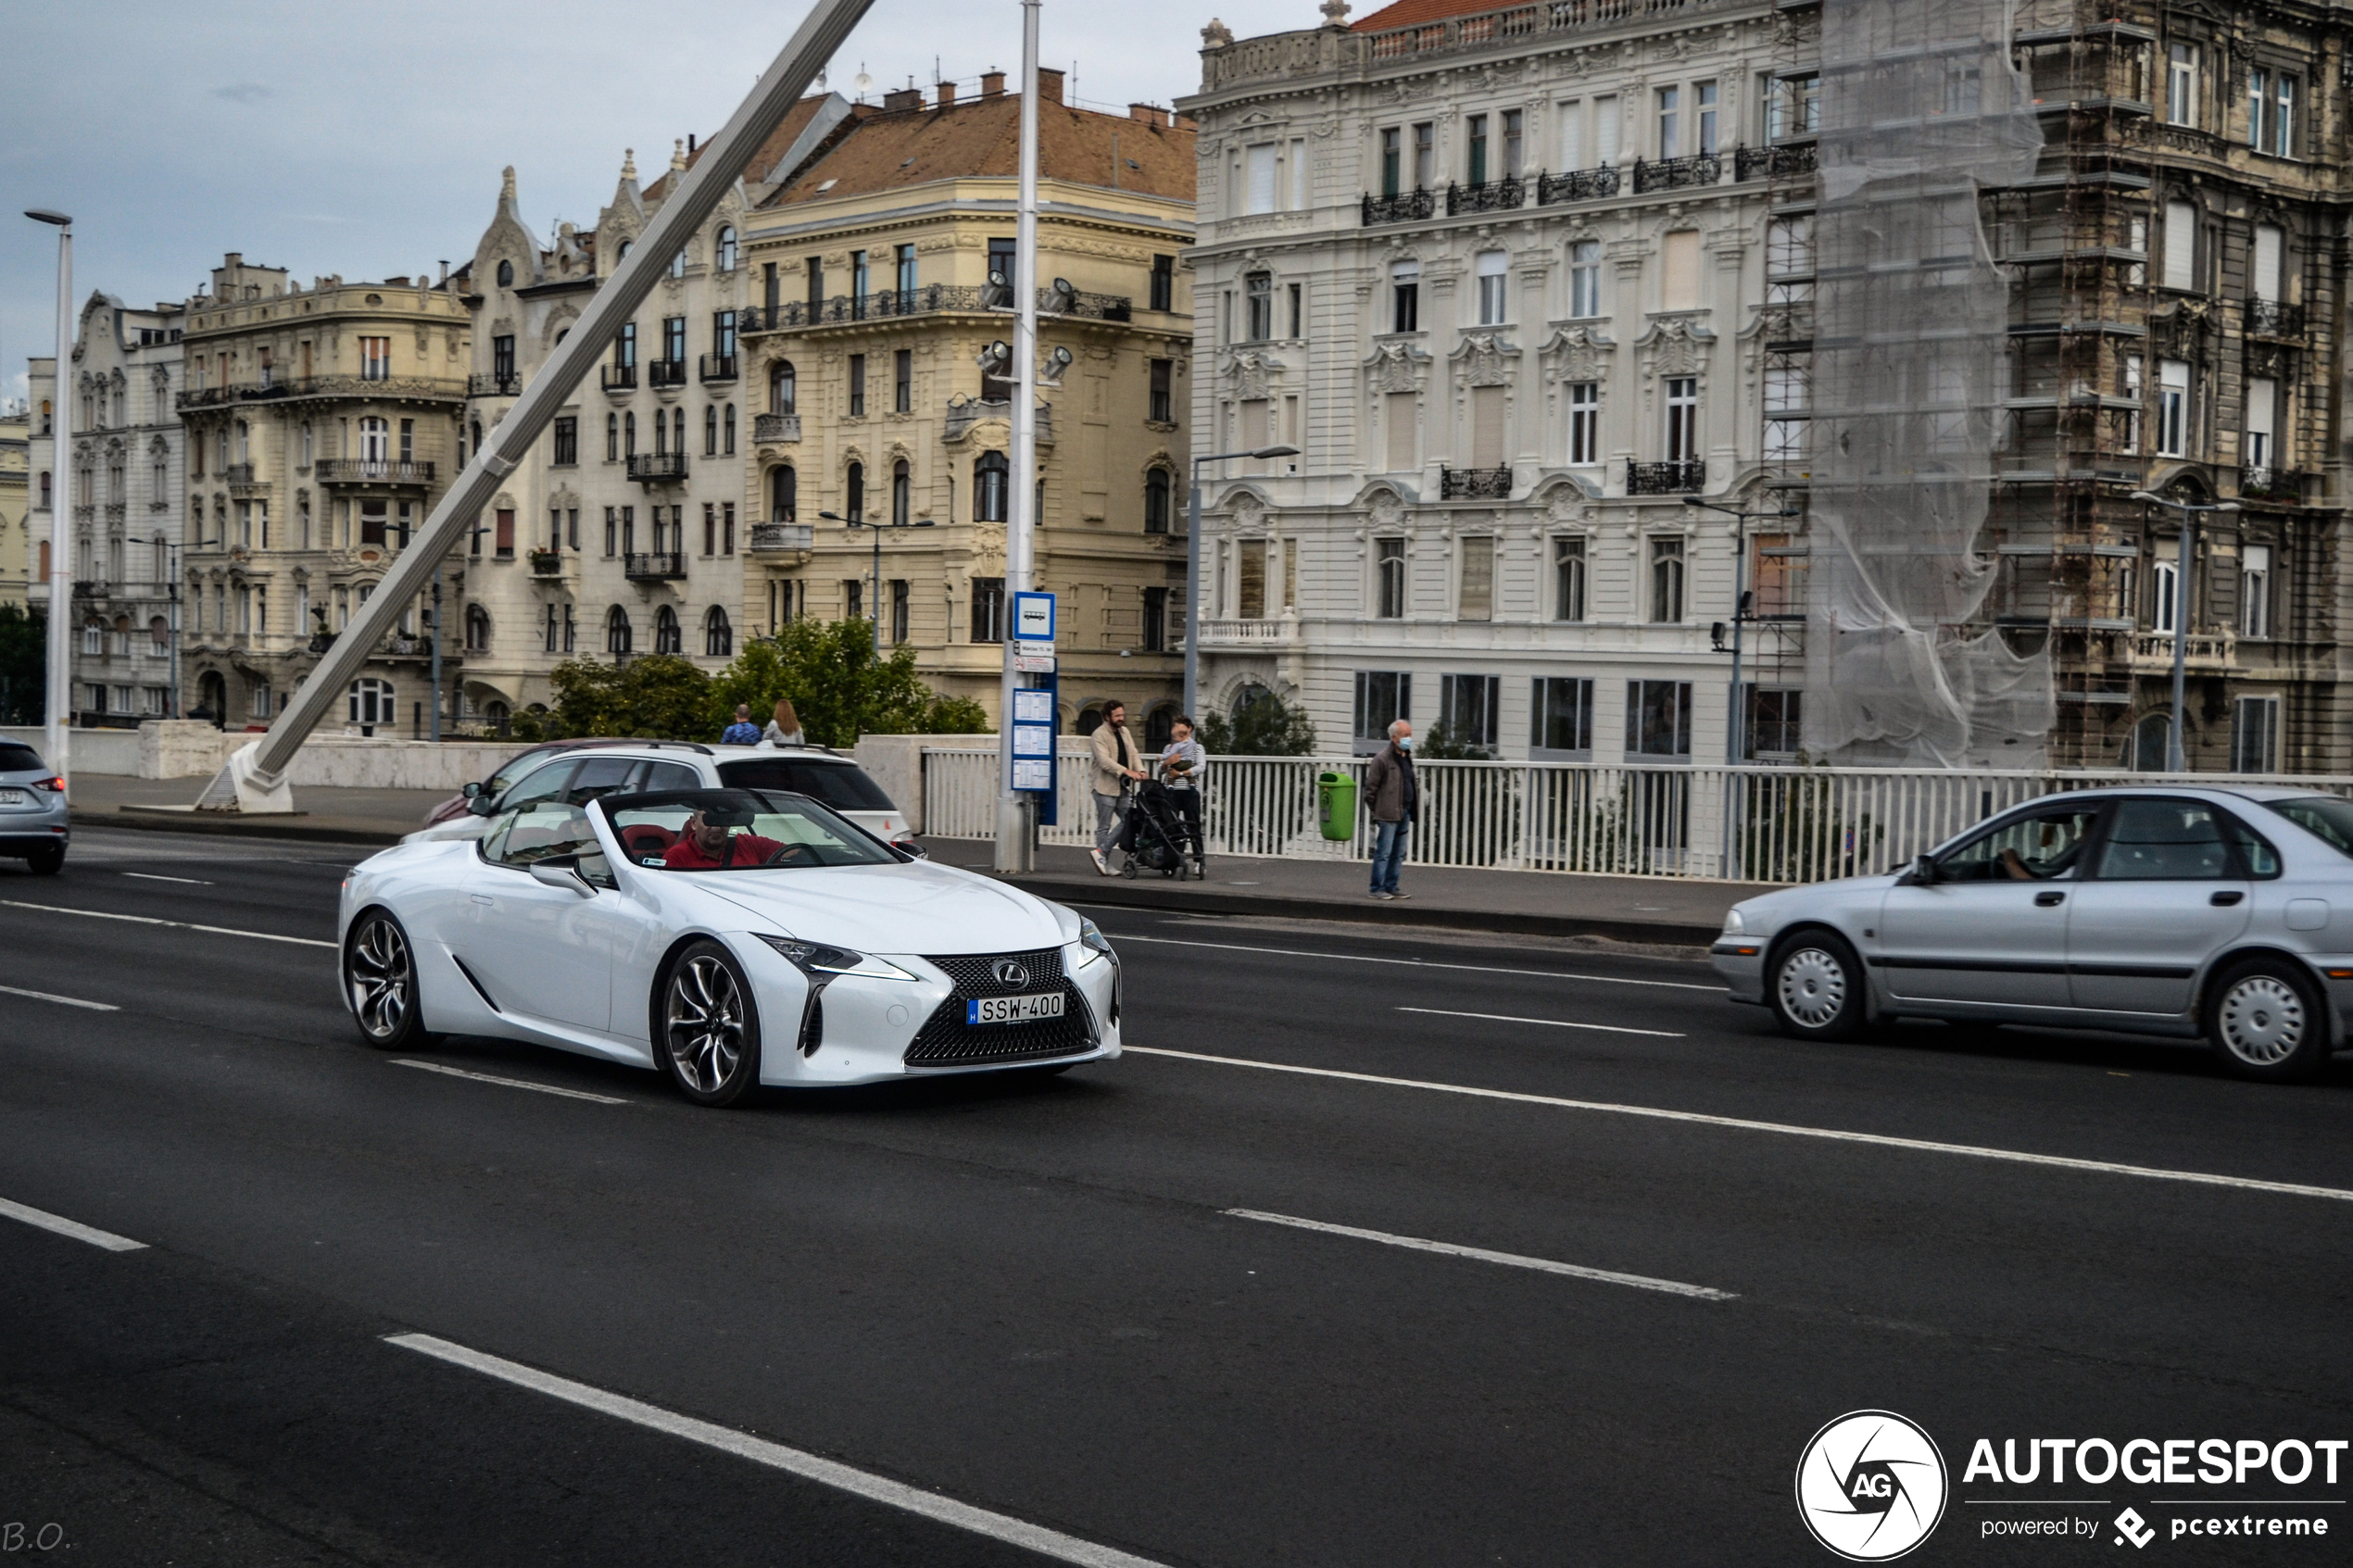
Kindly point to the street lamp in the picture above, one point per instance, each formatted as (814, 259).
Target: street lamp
(1192, 569)
(2182, 555)
(59, 697)
(878, 527)
(1732, 725)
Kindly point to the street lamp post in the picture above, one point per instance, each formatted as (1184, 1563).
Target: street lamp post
(2183, 554)
(878, 527)
(1192, 569)
(1740, 612)
(57, 701)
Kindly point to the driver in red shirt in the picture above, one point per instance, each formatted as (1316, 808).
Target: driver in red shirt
(708, 846)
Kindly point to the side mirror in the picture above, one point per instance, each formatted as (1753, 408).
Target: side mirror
(470, 791)
(479, 805)
(1921, 872)
(564, 874)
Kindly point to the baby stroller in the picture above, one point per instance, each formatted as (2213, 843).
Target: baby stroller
(1157, 836)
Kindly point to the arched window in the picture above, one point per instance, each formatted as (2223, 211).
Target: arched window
(372, 703)
(506, 274)
(661, 434)
(781, 387)
(478, 629)
(45, 486)
(666, 637)
(612, 438)
(49, 427)
(159, 634)
(677, 431)
(992, 478)
(784, 494)
(622, 254)
(93, 637)
(854, 494)
(1156, 496)
(629, 434)
(616, 629)
(727, 430)
(727, 250)
(710, 430)
(678, 264)
(159, 558)
(718, 637)
(903, 492)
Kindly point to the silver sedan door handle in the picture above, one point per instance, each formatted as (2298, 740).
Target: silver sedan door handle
(2046, 900)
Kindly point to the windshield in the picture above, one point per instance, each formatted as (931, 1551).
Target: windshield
(842, 785)
(516, 766)
(723, 830)
(2325, 817)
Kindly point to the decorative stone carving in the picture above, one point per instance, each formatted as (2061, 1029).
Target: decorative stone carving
(1248, 511)
(1484, 359)
(1392, 369)
(1387, 511)
(1217, 35)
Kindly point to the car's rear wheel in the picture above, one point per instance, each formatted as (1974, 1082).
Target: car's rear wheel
(380, 981)
(46, 862)
(709, 1043)
(2266, 1020)
(1814, 987)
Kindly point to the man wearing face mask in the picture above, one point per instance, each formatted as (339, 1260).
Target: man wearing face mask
(1390, 791)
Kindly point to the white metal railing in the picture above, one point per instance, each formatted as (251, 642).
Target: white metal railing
(1751, 823)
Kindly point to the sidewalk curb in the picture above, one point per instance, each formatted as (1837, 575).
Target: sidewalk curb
(1176, 897)
(228, 823)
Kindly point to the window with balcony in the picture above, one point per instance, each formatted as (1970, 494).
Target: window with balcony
(782, 388)
(1392, 160)
(1585, 279)
(1794, 107)
(903, 269)
(1383, 697)
(1683, 419)
(1704, 107)
(784, 494)
(1389, 579)
(1569, 578)
(814, 282)
(1424, 155)
(1561, 717)
(1475, 150)
(624, 347)
(1667, 562)
(1670, 122)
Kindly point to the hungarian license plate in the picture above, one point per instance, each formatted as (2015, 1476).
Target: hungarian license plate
(12, 797)
(1013, 1009)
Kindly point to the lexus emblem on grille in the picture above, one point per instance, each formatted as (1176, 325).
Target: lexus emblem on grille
(1005, 971)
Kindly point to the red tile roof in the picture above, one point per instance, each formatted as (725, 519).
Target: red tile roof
(1407, 13)
(763, 162)
(982, 136)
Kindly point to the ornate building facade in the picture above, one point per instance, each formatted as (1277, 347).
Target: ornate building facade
(1503, 287)
(16, 506)
(322, 427)
(875, 423)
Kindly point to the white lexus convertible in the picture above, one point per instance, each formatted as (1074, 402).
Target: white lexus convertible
(727, 937)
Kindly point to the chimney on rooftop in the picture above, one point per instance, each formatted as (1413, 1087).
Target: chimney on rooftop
(1049, 85)
(947, 95)
(1150, 114)
(900, 98)
(992, 85)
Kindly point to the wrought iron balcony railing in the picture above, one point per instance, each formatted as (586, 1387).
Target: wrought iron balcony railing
(1778, 162)
(372, 471)
(768, 538)
(2272, 484)
(1403, 207)
(620, 378)
(665, 372)
(1676, 173)
(1487, 196)
(654, 566)
(2274, 318)
(1666, 479)
(1475, 484)
(1577, 186)
(495, 384)
(407, 388)
(547, 563)
(930, 299)
(718, 367)
(657, 467)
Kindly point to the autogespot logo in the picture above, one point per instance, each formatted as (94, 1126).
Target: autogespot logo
(1871, 1485)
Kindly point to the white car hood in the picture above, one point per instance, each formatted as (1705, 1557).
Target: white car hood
(917, 907)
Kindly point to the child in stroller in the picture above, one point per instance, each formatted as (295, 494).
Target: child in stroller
(1159, 837)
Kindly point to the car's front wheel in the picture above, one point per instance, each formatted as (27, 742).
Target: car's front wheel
(710, 1042)
(2266, 1020)
(1815, 985)
(380, 980)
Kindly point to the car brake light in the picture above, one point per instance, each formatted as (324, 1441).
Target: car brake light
(53, 786)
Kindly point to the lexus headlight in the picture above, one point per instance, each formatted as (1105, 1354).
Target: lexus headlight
(818, 958)
(1098, 945)
(1732, 925)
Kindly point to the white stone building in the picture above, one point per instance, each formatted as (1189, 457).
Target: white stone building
(124, 480)
(1501, 276)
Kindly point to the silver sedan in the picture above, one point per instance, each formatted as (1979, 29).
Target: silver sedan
(2222, 913)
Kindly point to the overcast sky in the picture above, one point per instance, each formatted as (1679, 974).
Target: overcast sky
(368, 142)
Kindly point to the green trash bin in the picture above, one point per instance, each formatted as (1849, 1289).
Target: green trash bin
(1336, 805)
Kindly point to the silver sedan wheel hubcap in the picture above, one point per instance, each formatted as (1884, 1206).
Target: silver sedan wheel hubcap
(380, 978)
(706, 1023)
(2262, 1021)
(1812, 987)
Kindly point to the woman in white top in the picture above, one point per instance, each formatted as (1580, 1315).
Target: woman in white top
(785, 728)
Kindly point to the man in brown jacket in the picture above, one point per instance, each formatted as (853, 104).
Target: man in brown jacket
(1116, 762)
(1391, 794)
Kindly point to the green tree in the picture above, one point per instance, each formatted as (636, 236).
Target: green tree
(1263, 728)
(1443, 744)
(23, 662)
(660, 697)
(838, 686)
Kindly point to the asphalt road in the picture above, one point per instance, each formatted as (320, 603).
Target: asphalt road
(1036, 1299)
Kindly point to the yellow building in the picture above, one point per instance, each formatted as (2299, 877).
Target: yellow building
(861, 344)
(15, 543)
(322, 426)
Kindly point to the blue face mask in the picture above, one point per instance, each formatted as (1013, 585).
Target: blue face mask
(1405, 742)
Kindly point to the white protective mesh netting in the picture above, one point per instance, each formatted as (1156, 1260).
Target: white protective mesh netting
(1920, 107)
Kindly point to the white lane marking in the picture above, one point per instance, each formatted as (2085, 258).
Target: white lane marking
(1548, 1023)
(508, 1083)
(151, 877)
(1514, 1260)
(175, 925)
(1883, 1140)
(776, 1455)
(73, 1228)
(1411, 964)
(62, 1001)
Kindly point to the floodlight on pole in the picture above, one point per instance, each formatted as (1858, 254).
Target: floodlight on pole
(1016, 817)
(2184, 552)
